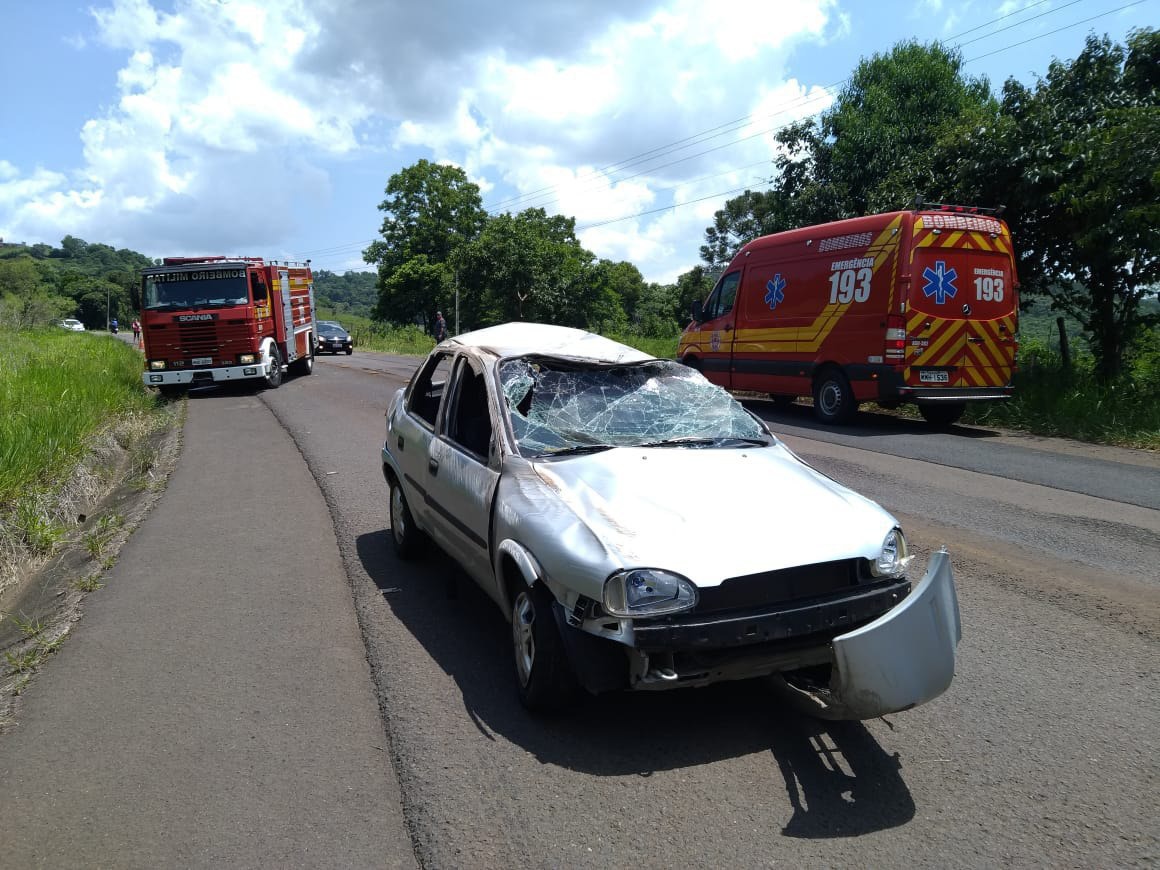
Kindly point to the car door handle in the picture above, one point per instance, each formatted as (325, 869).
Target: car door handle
(399, 442)
(433, 466)
(975, 339)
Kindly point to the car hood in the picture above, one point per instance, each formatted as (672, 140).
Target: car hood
(711, 514)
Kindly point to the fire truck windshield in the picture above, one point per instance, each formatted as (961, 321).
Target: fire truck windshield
(206, 288)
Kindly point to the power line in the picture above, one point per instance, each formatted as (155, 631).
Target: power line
(601, 174)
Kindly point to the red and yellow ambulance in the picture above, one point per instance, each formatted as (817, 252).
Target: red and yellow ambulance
(911, 306)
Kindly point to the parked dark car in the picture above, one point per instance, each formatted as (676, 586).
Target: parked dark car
(332, 338)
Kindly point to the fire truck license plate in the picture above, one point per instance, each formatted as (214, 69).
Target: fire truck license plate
(202, 361)
(928, 377)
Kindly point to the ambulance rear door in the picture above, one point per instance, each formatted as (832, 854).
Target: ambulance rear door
(962, 312)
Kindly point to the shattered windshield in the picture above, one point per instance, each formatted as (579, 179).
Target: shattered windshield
(559, 406)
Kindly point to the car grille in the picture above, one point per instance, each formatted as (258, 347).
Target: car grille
(776, 587)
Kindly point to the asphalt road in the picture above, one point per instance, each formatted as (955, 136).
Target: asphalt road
(1043, 753)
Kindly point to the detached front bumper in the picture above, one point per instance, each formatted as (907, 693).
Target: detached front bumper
(902, 659)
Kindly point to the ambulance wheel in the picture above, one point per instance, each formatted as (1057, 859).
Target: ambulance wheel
(780, 401)
(833, 399)
(274, 376)
(942, 414)
(692, 362)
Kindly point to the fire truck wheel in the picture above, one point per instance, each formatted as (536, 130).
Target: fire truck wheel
(172, 391)
(304, 365)
(274, 376)
(942, 414)
(833, 399)
(408, 538)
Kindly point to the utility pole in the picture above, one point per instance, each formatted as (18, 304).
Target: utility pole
(108, 318)
(457, 303)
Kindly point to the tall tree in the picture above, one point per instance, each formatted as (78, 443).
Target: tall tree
(884, 140)
(430, 210)
(1076, 158)
(528, 266)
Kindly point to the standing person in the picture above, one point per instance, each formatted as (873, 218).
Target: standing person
(113, 326)
(136, 330)
(440, 327)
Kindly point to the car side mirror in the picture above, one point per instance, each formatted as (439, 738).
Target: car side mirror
(698, 311)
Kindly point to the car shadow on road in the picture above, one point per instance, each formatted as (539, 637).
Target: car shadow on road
(839, 779)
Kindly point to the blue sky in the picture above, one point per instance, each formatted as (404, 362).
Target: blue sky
(270, 127)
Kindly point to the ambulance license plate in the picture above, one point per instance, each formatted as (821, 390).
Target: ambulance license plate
(202, 361)
(933, 377)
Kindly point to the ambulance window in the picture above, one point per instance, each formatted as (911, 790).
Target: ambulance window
(721, 302)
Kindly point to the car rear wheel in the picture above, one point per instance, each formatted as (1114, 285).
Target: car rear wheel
(274, 375)
(544, 678)
(833, 399)
(409, 540)
(942, 414)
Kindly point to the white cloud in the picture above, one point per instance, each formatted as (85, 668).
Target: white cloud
(231, 116)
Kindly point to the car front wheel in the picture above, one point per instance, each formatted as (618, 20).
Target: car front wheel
(544, 677)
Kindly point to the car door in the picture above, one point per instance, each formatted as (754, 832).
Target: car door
(413, 431)
(463, 471)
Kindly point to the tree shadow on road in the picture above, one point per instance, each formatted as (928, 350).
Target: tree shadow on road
(840, 781)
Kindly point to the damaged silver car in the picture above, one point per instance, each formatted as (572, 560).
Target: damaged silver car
(642, 530)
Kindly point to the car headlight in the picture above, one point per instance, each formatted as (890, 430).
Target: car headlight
(648, 592)
(156, 364)
(247, 359)
(893, 558)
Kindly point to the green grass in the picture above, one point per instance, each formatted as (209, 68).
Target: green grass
(58, 388)
(1054, 401)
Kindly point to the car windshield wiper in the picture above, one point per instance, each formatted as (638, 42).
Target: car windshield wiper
(694, 441)
(577, 450)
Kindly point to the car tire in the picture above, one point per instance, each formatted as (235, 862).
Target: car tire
(409, 539)
(943, 414)
(274, 376)
(544, 677)
(349, 351)
(834, 402)
(304, 365)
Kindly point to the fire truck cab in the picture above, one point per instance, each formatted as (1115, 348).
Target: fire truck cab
(211, 319)
(913, 306)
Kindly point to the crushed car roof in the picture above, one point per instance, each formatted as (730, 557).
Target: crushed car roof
(518, 339)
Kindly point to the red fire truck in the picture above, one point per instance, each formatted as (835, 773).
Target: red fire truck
(211, 319)
(914, 306)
